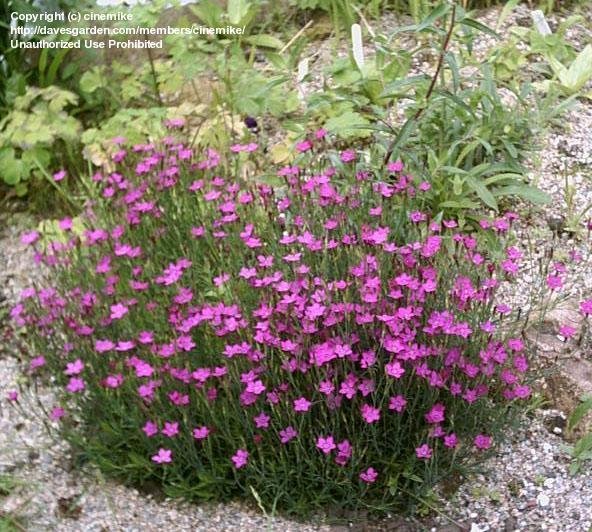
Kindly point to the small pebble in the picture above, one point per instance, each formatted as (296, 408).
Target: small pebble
(543, 500)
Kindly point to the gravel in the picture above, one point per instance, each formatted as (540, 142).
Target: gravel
(526, 486)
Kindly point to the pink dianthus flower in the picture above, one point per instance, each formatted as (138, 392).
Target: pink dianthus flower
(240, 458)
(369, 476)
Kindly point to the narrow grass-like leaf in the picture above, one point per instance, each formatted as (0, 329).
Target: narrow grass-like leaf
(471, 23)
(579, 412)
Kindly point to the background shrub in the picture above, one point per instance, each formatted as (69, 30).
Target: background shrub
(216, 83)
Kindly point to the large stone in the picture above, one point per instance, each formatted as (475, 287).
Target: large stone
(544, 328)
(566, 386)
(567, 372)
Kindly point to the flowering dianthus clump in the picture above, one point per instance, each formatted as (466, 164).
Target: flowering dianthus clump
(313, 336)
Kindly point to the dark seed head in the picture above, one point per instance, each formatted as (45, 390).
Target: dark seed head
(250, 122)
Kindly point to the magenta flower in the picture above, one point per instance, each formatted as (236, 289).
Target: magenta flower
(247, 273)
(197, 232)
(103, 346)
(237, 148)
(256, 387)
(304, 146)
(522, 391)
(370, 413)
(394, 369)
(326, 444)
(174, 122)
(396, 166)
(240, 458)
(482, 441)
(221, 279)
(171, 428)
(450, 440)
(567, 331)
(344, 452)
(437, 431)
(118, 311)
(262, 420)
(178, 398)
(164, 456)
(12, 395)
(315, 311)
(586, 307)
(65, 224)
(150, 429)
(74, 368)
(368, 359)
(287, 434)
(143, 369)
(302, 405)
(509, 266)
(326, 387)
(417, 216)
(369, 476)
(75, 385)
(37, 362)
(146, 391)
(146, 337)
(487, 327)
(503, 309)
(30, 238)
(423, 452)
(348, 156)
(521, 364)
(58, 176)
(320, 133)
(516, 345)
(436, 414)
(57, 413)
(201, 433)
(501, 225)
(113, 381)
(366, 387)
(397, 403)
(554, 282)
(292, 257)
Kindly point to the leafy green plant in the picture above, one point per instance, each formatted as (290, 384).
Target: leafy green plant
(473, 140)
(556, 43)
(31, 131)
(239, 13)
(508, 59)
(573, 78)
(352, 100)
(21, 67)
(341, 12)
(475, 144)
(357, 95)
(573, 216)
(247, 91)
